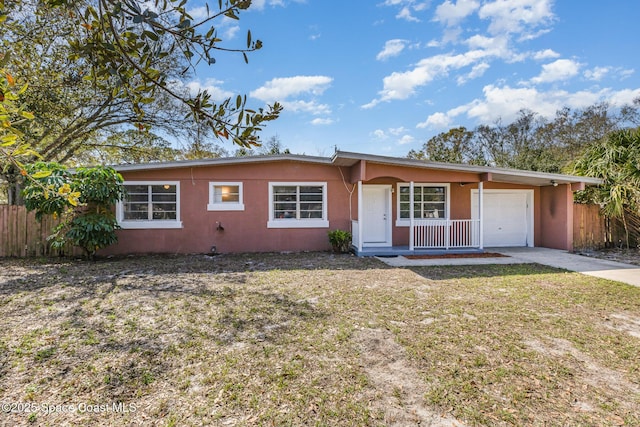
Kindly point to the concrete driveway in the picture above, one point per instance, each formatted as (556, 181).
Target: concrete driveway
(604, 269)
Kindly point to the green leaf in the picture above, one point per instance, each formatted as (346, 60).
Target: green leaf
(151, 35)
(27, 115)
(8, 140)
(41, 174)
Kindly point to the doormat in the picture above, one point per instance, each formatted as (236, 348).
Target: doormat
(469, 255)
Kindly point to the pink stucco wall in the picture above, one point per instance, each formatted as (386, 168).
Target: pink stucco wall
(246, 231)
(556, 217)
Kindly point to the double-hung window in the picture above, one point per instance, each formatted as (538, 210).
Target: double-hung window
(430, 201)
(150, 204)
(225, 196)
(298, 205)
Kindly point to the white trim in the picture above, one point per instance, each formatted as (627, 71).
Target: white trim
(299, 222)
(406, 222)
(480, 212)
(529, 214)
(360, 229)
(225, 206)
(152, 224)
(412, 208)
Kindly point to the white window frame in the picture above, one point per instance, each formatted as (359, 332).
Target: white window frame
(405, 222)
(143, 224)
(225, 206)
(302, 222)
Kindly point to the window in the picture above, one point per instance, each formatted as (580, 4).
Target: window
(225, 196)
(150, 205)
(297, 205)
(430, 201)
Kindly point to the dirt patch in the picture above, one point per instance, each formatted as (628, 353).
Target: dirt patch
(399, 389)
(627, 256)
(624, 323)
(592, 372)
(469, 255)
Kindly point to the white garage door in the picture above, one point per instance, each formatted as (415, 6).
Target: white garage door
(507, 217)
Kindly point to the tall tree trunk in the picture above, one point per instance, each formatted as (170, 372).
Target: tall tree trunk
(626, 228)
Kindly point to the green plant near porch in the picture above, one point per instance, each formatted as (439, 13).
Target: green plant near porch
(340, 240)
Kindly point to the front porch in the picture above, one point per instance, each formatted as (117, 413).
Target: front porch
(425, 216)
(427, 237)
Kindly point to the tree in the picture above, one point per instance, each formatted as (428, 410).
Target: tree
(454, 146)
(530, 141)
(271, 147)
(117, 64)
(88, 219)
(130, 146)
(615, 159)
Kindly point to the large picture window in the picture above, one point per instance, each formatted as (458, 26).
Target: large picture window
(297, 205)
(430, 201)
(150, 205)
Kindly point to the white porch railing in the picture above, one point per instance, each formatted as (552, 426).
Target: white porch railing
(446, 233)
(355, 234)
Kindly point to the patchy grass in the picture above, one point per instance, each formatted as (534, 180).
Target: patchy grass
(316, 339)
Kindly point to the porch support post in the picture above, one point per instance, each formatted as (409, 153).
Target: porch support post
(480, 216)
(360, 236)
(411, 220)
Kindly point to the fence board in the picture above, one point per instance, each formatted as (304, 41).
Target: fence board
(22, 235)
(589, 228)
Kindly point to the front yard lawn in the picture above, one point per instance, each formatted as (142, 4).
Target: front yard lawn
(313, 339)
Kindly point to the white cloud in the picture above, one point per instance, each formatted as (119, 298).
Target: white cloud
(391, 48)
(230, 32)
(407, 7)
(397, 131)
(436, 120)
(405, 13)
(281, 88)
(516, 16)
(626, 73)
(406, 139)
(379, 134)
(562, 69)
(451, 14)
(506, 102)
(545, 54)
(213, 86)
(261, 4)
(311, 107)
(296, 94)
(198, 13)
(596, 73)
(320, 122)
(477, 71)
(401, 85)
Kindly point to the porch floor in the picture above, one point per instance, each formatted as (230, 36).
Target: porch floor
(404, 250)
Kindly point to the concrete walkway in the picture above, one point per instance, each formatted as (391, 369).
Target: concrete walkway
(604, 269)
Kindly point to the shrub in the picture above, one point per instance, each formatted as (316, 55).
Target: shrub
(340, 240)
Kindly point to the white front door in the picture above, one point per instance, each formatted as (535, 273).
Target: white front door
(376, 215)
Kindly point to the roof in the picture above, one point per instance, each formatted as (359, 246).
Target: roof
(515, 176)
(347, 159)
(221, 161)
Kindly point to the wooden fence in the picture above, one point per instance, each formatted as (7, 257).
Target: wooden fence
(589, 227)
(21, 235)
(592, 230)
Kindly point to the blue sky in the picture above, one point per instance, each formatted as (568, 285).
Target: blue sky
(384, 76)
